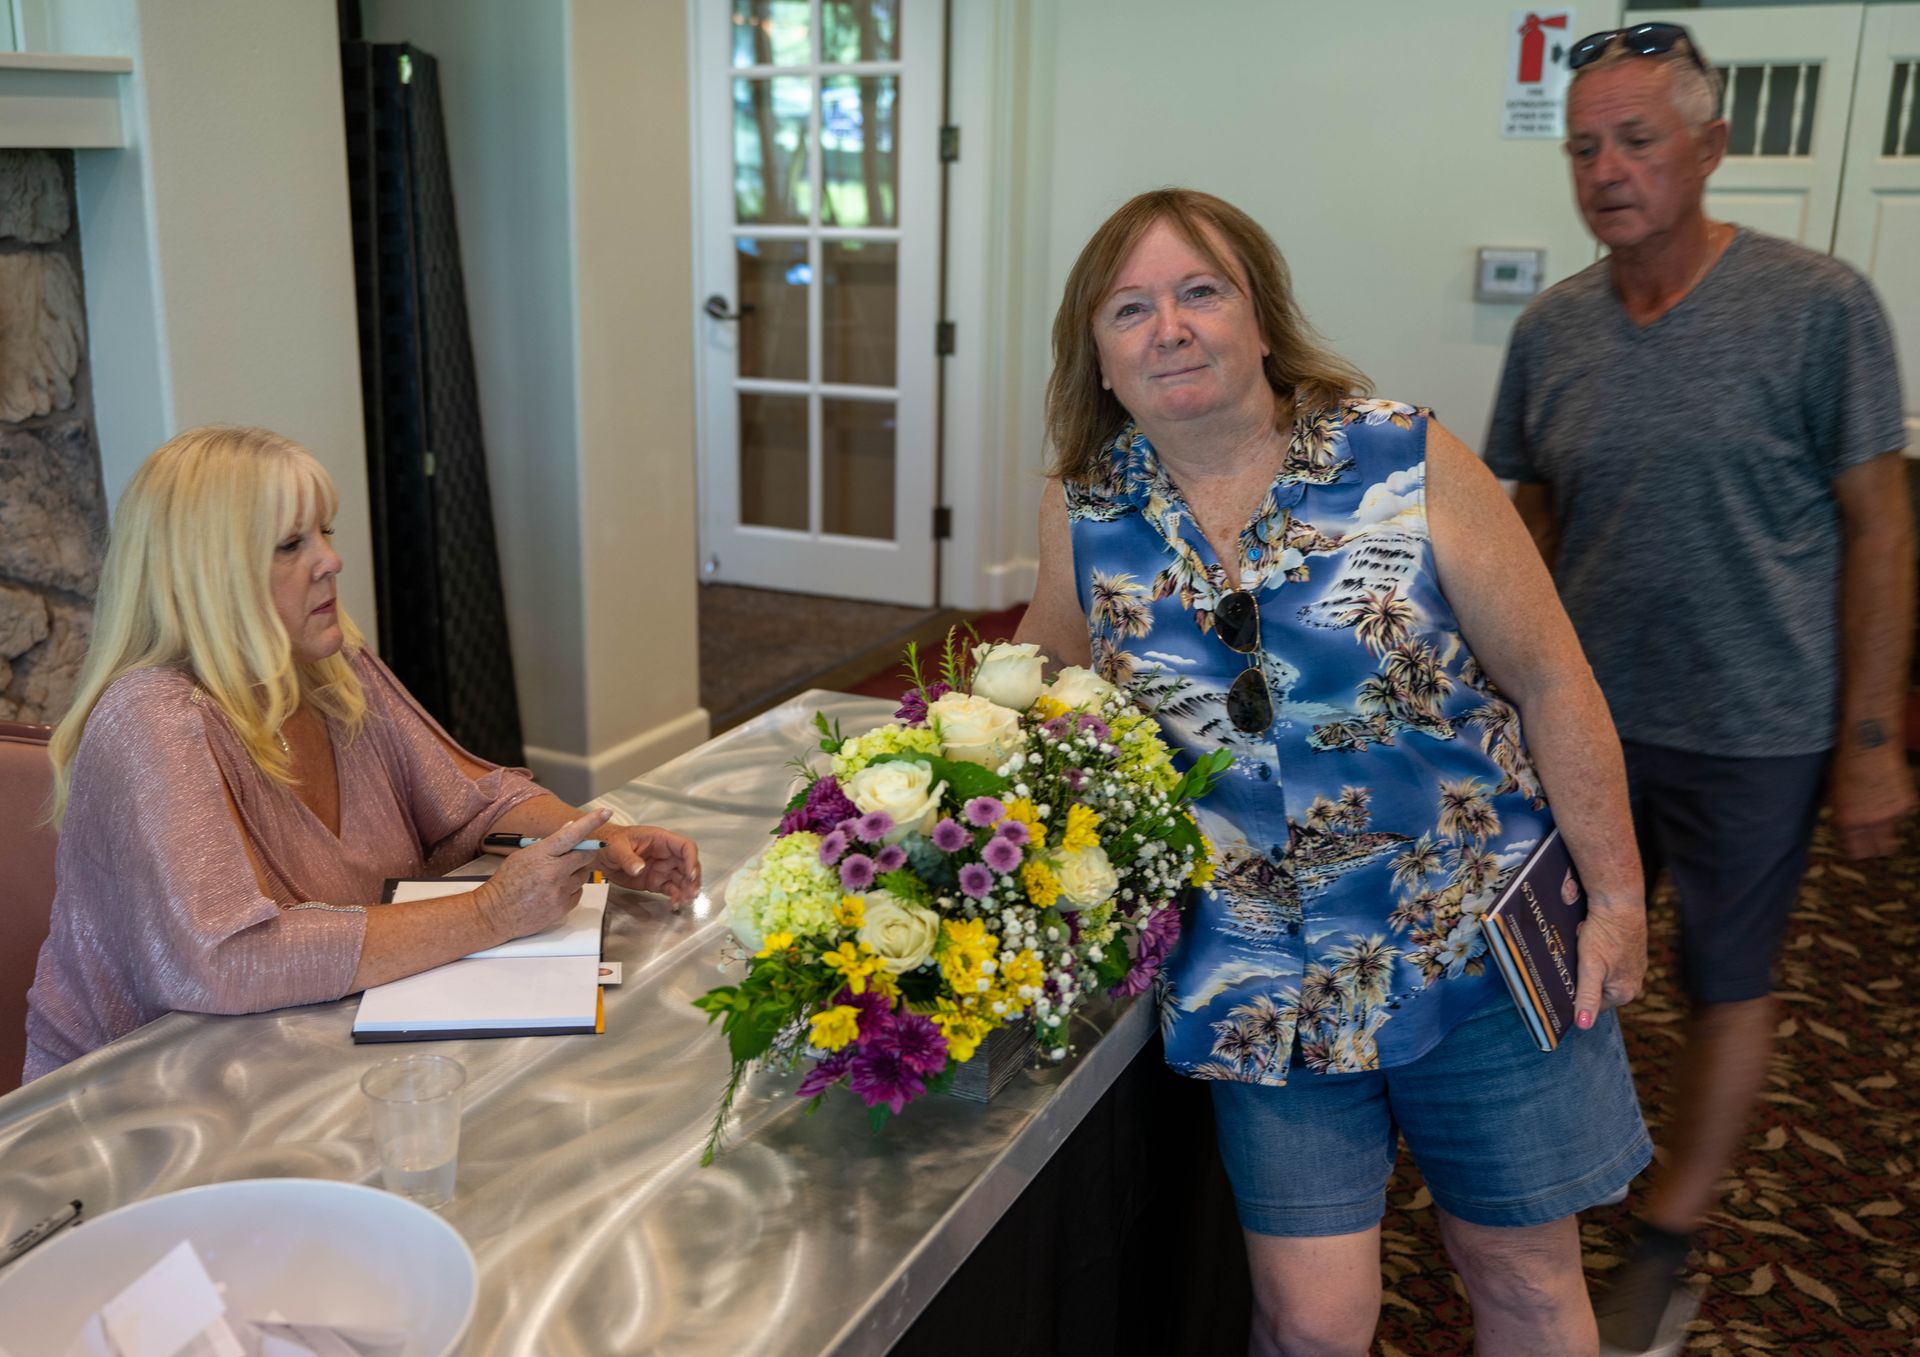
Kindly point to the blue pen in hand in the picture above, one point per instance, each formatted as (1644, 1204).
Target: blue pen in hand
(528, 841)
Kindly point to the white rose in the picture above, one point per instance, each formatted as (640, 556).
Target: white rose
(1079, 688)
(742, 895)
(906, 791)
(901, 935)
(1086, 877)
(974, 729)
(1008, 674)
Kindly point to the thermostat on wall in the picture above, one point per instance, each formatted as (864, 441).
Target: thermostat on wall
(1508, 275)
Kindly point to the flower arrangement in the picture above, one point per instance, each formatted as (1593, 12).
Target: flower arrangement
(999, 852)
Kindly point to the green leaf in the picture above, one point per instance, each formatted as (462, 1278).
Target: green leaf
(878, 1116)
(904, 885)
(830, 737)
(964, 780)
(1184, 834)
(1113, 965)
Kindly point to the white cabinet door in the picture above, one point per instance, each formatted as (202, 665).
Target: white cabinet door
(1879, 230)
(817, 166)
(1788, 72)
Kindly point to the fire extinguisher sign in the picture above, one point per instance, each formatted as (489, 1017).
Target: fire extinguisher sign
(1537, 74)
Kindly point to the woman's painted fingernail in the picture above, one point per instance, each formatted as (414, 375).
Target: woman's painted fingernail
(1583, 1020)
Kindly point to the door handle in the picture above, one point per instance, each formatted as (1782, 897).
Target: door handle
(717, 308)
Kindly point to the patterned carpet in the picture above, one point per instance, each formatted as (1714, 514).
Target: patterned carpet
(1816, 1249)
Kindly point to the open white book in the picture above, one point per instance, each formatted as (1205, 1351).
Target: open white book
(544, 984)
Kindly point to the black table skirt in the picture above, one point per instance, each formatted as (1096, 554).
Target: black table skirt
(1125, 1243)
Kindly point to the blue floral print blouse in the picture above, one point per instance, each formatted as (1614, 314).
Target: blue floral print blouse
(1362, 837)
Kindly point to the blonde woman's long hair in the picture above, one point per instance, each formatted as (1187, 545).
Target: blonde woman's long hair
(1083, 417)
(187, 585)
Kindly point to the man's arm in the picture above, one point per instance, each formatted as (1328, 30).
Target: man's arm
(1872, 789)
(1534, 500)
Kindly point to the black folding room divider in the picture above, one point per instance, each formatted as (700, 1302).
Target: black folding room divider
(443, 624)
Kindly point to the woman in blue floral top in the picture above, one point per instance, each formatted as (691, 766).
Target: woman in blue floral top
(1338, 592)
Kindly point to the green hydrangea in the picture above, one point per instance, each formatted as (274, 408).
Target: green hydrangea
(862, 750)
(1143, 756)
(795, 893)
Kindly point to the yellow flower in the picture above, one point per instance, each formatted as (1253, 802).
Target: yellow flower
(775, 942)
(1081, 821)
(835, 1027)
(1043, 887)
(1046, 707)
(851, 912)
(1203, 865)
(1024, 969)
(851, 965)
(968, 945)
(964, 1031)
(1023, 810)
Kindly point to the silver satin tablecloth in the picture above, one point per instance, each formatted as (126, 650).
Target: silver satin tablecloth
(579, 1187)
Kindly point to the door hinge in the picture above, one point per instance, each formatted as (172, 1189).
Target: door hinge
(942, 522)
(949, 144)
(943, 339)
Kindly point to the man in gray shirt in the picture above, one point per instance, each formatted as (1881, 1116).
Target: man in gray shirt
(1705, 427)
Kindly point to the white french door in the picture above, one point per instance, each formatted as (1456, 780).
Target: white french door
(817, 129)
(1788, 72)
(1879, 226)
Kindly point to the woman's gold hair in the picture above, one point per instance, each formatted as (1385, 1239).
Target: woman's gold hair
(1082, 416)
(187, 584)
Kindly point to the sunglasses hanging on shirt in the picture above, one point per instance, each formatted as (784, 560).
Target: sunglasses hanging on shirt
(1236, 621)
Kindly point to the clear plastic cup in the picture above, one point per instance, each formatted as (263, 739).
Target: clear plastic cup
(415, 1101)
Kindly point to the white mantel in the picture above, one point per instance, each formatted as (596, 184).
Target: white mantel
(55, 101)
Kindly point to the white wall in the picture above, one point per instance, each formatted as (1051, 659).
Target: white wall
(567, 135)
(217, 245)
(1364, 137)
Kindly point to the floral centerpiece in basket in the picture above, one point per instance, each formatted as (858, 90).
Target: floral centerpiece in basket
(1001, 851)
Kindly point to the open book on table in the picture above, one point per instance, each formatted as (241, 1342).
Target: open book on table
(547, 983)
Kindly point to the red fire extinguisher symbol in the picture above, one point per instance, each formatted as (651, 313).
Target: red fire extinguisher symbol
(1533, 45)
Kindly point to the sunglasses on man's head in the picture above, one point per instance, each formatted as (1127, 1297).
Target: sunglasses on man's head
(1236, 620)
(1647, 40)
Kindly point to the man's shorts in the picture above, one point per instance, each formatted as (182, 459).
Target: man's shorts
(1733, 834)
(1504, 1133)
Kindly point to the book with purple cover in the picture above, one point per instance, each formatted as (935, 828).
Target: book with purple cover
(1533, 932)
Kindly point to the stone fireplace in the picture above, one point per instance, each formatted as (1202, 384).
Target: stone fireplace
(53, 515)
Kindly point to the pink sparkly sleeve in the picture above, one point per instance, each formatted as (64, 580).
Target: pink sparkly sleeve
(157, 882)
(450, 810)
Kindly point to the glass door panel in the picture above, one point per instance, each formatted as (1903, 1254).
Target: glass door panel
(856, 151)
(857, 495)
(773, 461)
(859, 300)
(772, 32)
(771, 282)
(770, 142)
(861, 30)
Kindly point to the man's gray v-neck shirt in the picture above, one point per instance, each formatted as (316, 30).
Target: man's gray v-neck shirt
(1691, 464)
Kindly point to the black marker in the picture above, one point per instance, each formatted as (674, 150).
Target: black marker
(40, 1230)
(528, 841)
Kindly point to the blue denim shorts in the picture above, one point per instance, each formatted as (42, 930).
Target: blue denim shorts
(1505, 1134)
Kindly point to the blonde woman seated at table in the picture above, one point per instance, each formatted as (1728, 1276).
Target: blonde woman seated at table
(239, 774)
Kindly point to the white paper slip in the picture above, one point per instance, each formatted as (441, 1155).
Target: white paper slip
(495, 996)
(576, 935)
(172, 1303)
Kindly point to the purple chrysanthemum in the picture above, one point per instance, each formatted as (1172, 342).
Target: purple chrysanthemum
(913, 707)
(920, 1045)
(1150, 948)
(890, 859)
(976, 880)
(949, 836)
(1076, 779)
(856, 871)
(876, 1010)
(1014, 832)
(983, 811)
(1002, 854)
(826, 805)
(873, 826)
(1095, 726)
(1056, 729)
(883, 1077)
(832, 847)
(826, 1073)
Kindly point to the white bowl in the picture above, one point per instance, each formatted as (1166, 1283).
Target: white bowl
(313, 1249)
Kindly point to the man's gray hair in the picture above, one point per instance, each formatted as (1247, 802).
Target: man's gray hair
(1696, 92)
